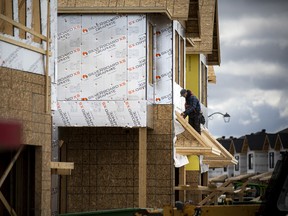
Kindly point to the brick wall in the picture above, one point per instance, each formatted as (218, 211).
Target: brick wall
(23, 99)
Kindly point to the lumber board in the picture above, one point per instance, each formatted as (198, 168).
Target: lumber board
(61, 165)
(22, 27)
(142, 167)
(195, 134)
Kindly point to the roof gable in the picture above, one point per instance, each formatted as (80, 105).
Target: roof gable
(227, 143)
(272, 140)
(238, 145)
(257, 142)
(283, 139)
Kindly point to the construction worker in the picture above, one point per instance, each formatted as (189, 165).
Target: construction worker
(192, 109)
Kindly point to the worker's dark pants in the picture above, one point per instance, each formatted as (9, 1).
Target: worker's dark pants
(194, 121)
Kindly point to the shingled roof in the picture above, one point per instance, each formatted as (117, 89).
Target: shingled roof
(272, 140)
(238, 145)
(283, 138)
(256, 142)
(226, 143)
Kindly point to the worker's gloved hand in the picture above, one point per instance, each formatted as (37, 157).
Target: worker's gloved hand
(183, 115)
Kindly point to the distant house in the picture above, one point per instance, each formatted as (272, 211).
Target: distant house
(240, 154)
(257, 153)
(273, 151)
(229, 169)
(282, 141)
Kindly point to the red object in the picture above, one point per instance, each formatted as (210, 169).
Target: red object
(10, 134)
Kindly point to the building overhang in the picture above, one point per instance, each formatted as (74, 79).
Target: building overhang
(190, 142)
(225, 158)
(193, 29)
(175, 10)
(214, 57)
(206, 38)
(211, 75)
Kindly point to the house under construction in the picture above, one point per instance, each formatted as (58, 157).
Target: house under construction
(92, 89)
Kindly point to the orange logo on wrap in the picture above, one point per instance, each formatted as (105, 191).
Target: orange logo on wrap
(84, 30)
(84, 53)
(158, 54)
(84, 76)
(84, 99)
(158, 99)
(158, 32)
(158, 77)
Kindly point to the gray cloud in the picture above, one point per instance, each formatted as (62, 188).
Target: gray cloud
(252, 81)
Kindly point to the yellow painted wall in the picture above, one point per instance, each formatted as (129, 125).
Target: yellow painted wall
(193, 163)
(192, 73)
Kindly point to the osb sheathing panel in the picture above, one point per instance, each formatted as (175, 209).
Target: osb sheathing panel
(186, 139)
(206, 10)
(192, 178)
(177, 9)
(23, 99)
(105, 175)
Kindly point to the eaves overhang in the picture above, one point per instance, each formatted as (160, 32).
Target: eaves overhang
(175, 10)
(190, 142)
(207, 41)
(214, 58)
(225, 158)
(193, 29)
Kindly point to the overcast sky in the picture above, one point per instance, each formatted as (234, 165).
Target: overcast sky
(252, 80)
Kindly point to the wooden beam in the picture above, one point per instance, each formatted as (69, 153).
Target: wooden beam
(204, 188)
(63, 180)
(61, 165)
(6, 172)
(197, 150)
(257, 177)
(61, 171)
(195, 134)
(241, 177)
(47, 59)
(61, 168)
(213, 194)
(266, 178)
(117, 10)
(7, 9)
(21, 44)
(22, 27)
(22, 17)
(142, 168)
(7, 206)
(182, 181)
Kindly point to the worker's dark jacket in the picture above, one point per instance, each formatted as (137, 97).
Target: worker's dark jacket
(192, 105)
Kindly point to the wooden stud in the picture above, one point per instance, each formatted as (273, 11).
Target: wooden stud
(47, 60)
(22, 17)
(182, 181)
(8, 11)
(142, 167)
(7, 206)
(36, 26)
(63, 180)
(23, 27)
(6, 172)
